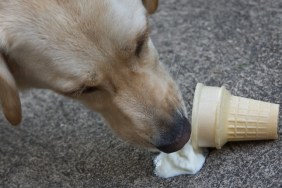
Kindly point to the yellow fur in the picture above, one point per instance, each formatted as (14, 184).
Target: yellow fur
(72, 46)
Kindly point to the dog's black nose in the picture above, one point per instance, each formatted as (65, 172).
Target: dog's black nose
(176, 136)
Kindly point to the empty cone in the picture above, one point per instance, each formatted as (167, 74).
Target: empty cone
(219, 117)
(250, 119)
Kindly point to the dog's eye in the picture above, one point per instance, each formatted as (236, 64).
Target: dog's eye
(80, 91)
(89, 89)
(139, 47)
(141, 41)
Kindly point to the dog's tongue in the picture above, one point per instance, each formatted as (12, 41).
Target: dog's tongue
(186, 161)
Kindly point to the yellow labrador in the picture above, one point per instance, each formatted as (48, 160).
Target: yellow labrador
(98, 52)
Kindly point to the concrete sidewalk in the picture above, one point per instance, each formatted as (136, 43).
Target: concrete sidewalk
(236, 43)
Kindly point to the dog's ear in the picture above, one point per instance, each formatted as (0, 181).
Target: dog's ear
(151, 5)
(9, 95)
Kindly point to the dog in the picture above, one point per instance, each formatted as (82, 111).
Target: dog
(98, 52)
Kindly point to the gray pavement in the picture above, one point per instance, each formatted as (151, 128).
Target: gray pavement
(236, 43)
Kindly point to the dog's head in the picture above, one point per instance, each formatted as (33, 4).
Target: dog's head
(100, 53)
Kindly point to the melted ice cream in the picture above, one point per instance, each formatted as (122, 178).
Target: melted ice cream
(186, 161)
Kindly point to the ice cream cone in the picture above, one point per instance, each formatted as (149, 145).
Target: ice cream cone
(219, 117)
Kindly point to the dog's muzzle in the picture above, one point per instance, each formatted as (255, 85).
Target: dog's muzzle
(176, 136)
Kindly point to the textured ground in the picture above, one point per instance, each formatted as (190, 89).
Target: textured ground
(236, 43)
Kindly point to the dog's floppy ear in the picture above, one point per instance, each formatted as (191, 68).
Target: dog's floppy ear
(9, 95)
(151, 5)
